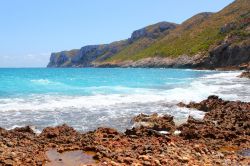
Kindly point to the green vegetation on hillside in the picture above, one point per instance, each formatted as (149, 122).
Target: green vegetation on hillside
(193, 36)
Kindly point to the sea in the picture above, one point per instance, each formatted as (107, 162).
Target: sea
(88, 98)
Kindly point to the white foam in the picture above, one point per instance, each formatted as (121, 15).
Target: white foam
(48, 102)
(224, 75)
(14, 126)
(121, 104)
(41, 81)
(52, 84)
(197, 90)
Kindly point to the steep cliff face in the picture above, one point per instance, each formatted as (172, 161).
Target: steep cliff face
(206, 40)
(89, 56)
(61, 59)
(152, 32)
(228, 54)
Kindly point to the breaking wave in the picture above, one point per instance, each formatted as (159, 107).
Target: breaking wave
(114, 106)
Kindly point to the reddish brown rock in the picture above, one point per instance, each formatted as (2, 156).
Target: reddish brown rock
(245, 74)
(152, 125)
(226, 120)
(222, 137)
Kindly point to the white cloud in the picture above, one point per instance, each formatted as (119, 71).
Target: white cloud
(28, 60)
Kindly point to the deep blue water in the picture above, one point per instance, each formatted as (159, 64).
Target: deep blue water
(90, 97)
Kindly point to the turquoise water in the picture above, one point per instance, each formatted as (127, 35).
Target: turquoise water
(91, 97)
(21, 82)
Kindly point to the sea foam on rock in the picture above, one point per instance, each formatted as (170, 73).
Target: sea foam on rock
(245, 74)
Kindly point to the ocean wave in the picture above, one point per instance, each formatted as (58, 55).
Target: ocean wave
(118, 115)
(103, 96)
(50, 84)
(49, 102)
(114, 106)
(223, 75)
(41, 81)
(196, 70)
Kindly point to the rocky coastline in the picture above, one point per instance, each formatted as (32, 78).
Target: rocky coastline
(222, 137)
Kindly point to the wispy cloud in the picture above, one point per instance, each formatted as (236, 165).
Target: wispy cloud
(28, 60)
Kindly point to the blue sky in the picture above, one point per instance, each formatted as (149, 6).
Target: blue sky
(31, 29)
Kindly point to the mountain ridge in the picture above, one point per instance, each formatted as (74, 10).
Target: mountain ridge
(206, 40)
(85, 56)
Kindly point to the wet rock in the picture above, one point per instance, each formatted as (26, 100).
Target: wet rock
(52, 132)
(245, 74)
(227, 121)
(245, 152)
(27, 129)
(152, 125)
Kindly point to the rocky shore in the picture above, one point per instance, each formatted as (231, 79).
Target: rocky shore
(221, 138)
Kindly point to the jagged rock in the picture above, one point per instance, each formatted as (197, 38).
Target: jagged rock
(228, 54)
(223, 120)
(245, 74)
(228, 27)
(152, 125)
(27, 129)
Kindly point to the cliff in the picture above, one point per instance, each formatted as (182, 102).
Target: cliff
(89, 56)
(206, 40)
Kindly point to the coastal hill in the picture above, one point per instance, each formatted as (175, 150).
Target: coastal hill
(206, 40)
(88, 55)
